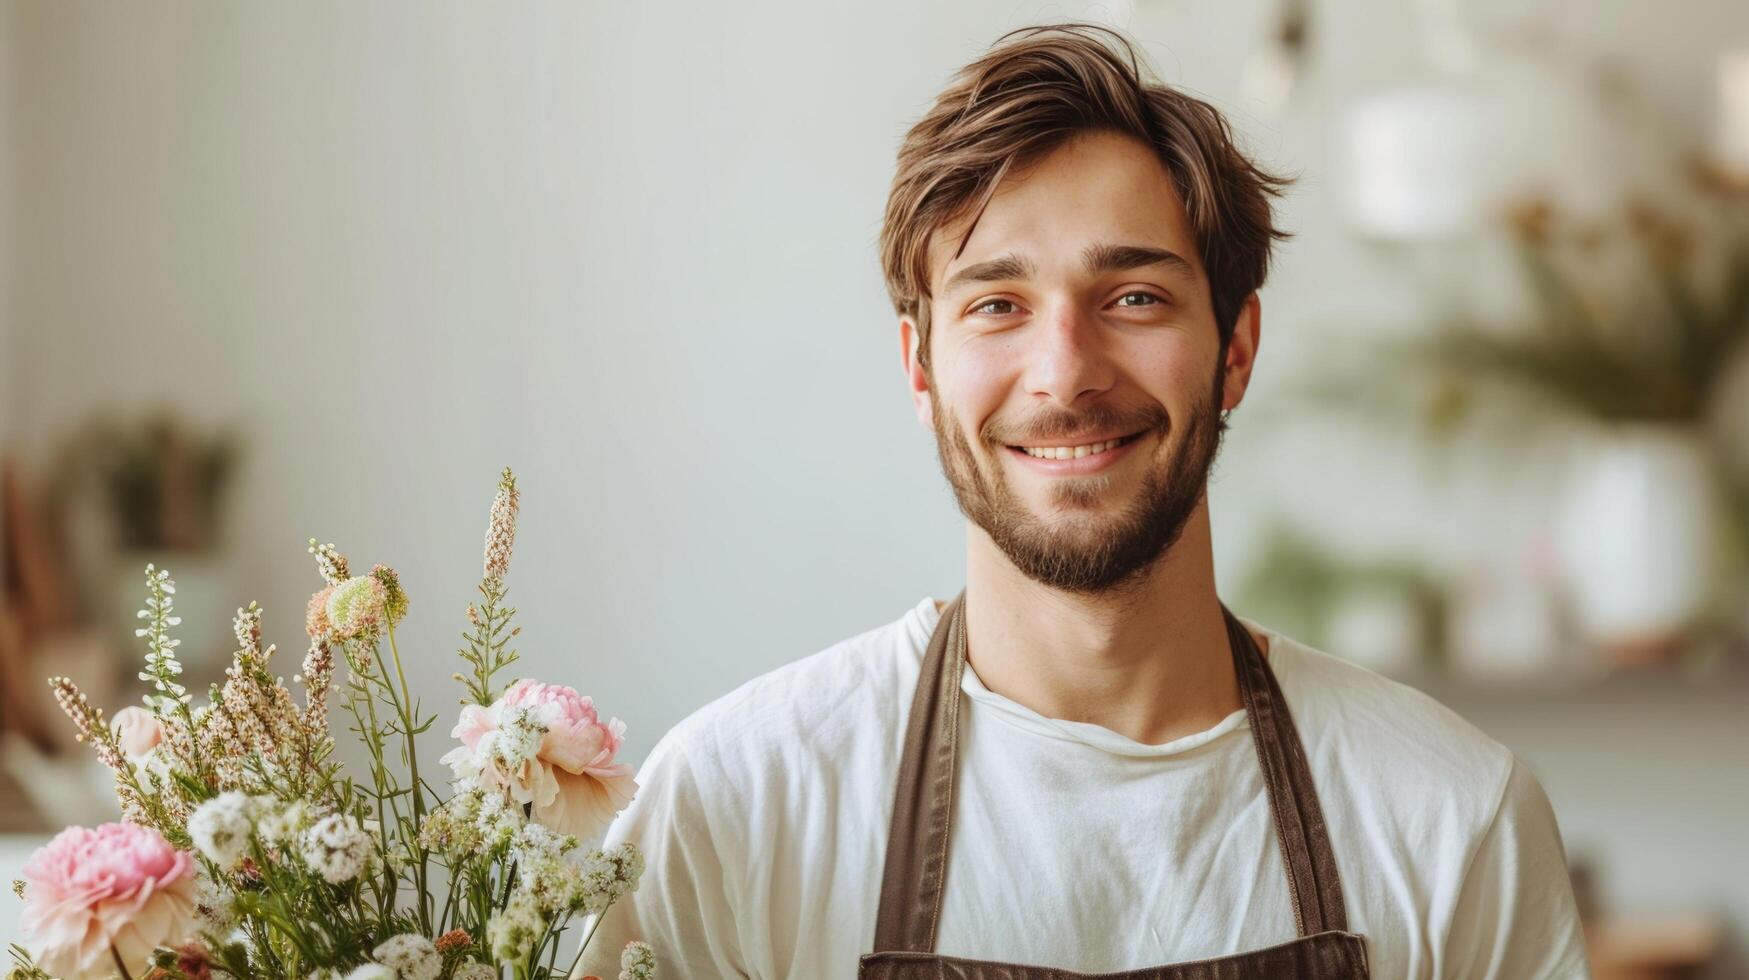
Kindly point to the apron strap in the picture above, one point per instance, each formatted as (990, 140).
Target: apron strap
(916, 859)
(1312, 877)
(916, 865)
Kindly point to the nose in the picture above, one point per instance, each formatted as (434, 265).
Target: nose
(1066, 359)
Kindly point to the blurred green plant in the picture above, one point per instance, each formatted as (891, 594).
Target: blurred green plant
(1638, 317)
(1296, 586)
(163, 483)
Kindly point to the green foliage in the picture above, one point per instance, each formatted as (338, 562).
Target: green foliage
(487, 648)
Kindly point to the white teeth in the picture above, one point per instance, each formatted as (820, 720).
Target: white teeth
(1071, 452)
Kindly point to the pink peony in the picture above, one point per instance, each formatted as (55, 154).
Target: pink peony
(138, 730)
(571, 778)
(119, 885)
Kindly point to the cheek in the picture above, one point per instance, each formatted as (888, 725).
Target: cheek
(972, 391)
(1179, 375)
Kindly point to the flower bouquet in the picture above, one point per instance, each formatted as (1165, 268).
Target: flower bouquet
(246, 850)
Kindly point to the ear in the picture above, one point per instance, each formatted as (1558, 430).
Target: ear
(1242, 352)
(915, 376)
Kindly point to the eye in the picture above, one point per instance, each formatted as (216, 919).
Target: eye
(994, 307)
(1138, 299)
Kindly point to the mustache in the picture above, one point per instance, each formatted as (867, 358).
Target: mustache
(1055, 425)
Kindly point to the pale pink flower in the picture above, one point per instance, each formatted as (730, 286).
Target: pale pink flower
(137, 731)
(571, 778)
(119, 885)
(316, 615)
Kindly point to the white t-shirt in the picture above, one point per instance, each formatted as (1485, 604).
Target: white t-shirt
(764, 819)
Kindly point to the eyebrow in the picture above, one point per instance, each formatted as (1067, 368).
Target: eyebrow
(1115, 258)
(1009, 266)
(1096, 258)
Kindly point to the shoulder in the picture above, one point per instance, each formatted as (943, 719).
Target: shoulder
(1415, 768)
(1438, 827)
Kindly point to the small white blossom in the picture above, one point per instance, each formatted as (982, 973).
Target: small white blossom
(514, 931)
(537, 842)
(412, 957)
(516, 742)
(371, 971)
(220, 828)
(337, 848)
(606, 877)
(545, 867)
(453, 828)
(214, 905)
(637, 962)
(474, 970)
(282, 825)
(498, 821)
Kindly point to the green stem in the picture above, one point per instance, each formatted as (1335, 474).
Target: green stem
(573, 968)
(403, 706)
(379, 776)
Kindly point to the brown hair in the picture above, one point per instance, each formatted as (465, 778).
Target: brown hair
(1032, 91)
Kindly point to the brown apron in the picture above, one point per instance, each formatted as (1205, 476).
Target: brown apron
(916, 865)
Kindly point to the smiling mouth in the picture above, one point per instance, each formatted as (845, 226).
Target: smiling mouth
(1073, 451)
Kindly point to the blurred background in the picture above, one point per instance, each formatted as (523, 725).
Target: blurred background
(270, 272)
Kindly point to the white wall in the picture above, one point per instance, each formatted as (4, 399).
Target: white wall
(8, 160)
(628, 249)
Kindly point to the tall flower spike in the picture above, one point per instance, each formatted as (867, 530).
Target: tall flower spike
(247, 627)
(317, 675)
(162, 667)
(501, 534)
(331, 563)
(88, 719)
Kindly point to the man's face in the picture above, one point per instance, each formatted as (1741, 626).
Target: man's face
(1076, 322)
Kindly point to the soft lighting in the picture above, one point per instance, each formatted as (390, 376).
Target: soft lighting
(1731, 138)
(1415, 163)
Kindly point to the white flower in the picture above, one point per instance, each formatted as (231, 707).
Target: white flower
(215, 905)
(543, 863)
(371, 971)
(474, 970)
(537, 842)
(606, 877)
(638, 962)
(516, 743)
(498, 821)
(509, 749)
(283, 825)
(221, 826)
(413, 957)
(453, 828)
(514, 931)
(337, 848)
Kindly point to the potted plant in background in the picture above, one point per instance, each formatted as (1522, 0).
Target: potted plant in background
(162, 486)
(1633, 363)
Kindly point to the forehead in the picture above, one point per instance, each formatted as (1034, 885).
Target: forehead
(1096, 188)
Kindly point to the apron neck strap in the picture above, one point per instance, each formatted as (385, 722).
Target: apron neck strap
(916, 861)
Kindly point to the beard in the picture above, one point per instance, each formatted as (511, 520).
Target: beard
(1086, 551)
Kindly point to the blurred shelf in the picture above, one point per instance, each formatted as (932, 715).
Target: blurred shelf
(1652, 948)
(1727, 679)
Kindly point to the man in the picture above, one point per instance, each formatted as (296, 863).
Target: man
(1083, 763)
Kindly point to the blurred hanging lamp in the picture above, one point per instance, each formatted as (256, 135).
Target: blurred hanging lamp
(1496, 111)
(1275, 65)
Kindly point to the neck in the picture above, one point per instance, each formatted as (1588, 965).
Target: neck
(1152, 663)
